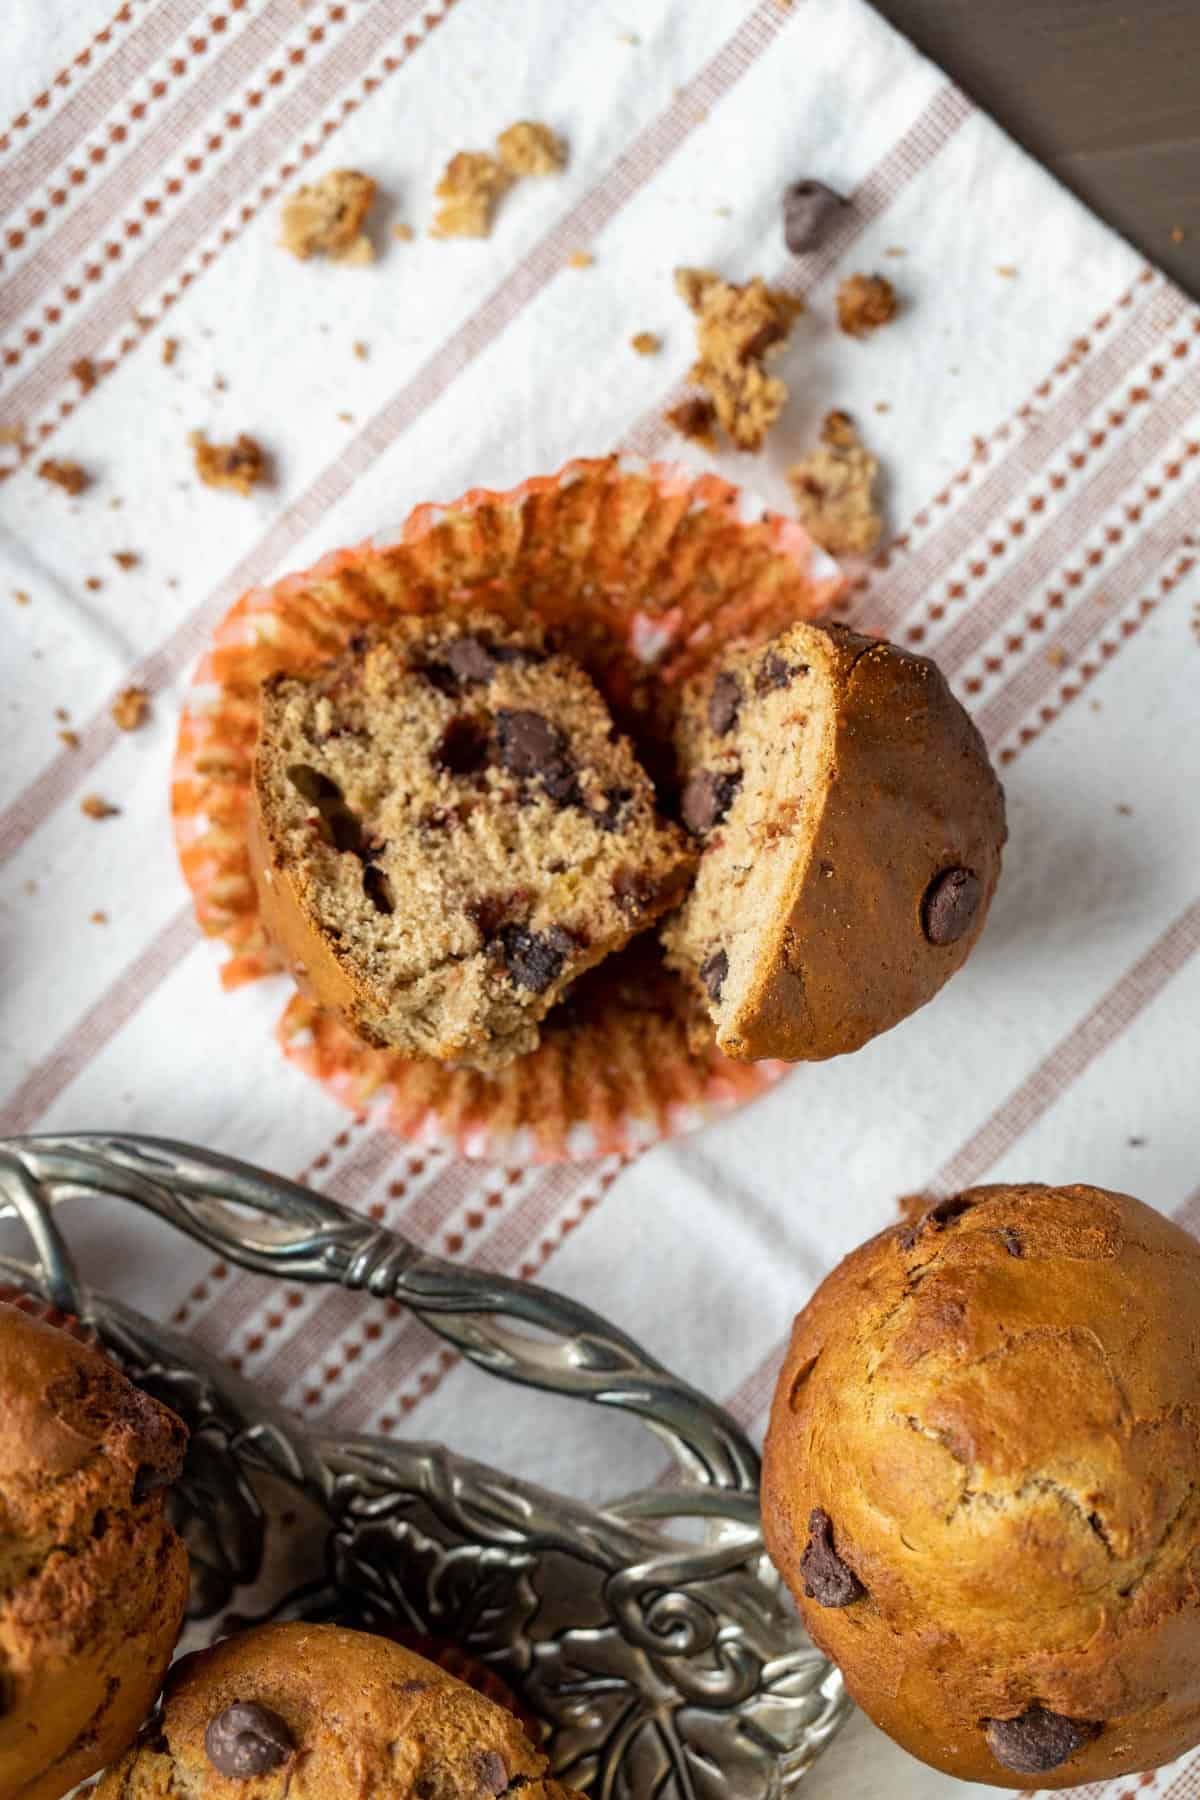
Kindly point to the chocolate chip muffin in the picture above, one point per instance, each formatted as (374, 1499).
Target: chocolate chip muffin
(850, 827)
(313, 1712)
(982, 1483)
(448, 831)
(93, 1581)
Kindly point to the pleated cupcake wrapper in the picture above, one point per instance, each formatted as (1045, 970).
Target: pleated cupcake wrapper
(644, 573)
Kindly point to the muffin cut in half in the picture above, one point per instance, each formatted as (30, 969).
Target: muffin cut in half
(851, 827)
(447, 830)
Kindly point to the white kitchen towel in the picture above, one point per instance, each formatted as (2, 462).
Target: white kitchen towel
(1036, 406)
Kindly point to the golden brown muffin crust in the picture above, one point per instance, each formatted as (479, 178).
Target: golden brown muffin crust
(93, 1581)
(982, 1483)
(364, 1718)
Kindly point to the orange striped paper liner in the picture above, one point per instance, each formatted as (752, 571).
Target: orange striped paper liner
(644, 572)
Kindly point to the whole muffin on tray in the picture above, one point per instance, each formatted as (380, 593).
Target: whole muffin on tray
(315, 1712)
(850, 829)
(982, 1483)
(93, 1581)
(447, 831)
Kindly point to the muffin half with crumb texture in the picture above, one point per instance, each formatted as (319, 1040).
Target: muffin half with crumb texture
(851, 829)
(315, 1712)
(448, 829)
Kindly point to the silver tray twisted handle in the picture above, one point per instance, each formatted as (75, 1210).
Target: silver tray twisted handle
(663, 1664)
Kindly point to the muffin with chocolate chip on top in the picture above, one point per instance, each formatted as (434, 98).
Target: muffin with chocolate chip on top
(315, 1712)
(850, 828)
(982, 1483)
(447, 830)
(93, 1579)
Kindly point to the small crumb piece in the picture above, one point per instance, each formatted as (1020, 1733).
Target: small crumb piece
(93, 807)
(1125, 811)
(346, 418)
(469, 190)
(646, 343)
(864, 303)
(628, 37)
(60, 712)
(695, 418)
(1056, 656)
(834, 489)
(326, 218)
(69, 738)
(811, 209)
(11, 435)
(125, 559)
(66, 475)
(84, 372)
(528, 148)
(131, 708)
(21, 597)
(170, 350)
(240, 465)
(1008, 270)
(1178, 234)
(580, 259)
(883, 406)
(98, 917)
(93, 584)
(220, 383)
(404, 232)
(360, 350)
(1137, 1143)
(738, 325)
(895, 250)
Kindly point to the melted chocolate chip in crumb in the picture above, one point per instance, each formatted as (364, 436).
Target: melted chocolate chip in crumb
(827, 1579)
(950, 905)
(462, 748)
(492, 1770)
(470, 660)
(534, 958)
(706, 800)
(532, 747)
(713, 971)
(809, 210)
(247, 1739)
(724, 703)
(1038, 1740)
(935, 1217)
(773, 673)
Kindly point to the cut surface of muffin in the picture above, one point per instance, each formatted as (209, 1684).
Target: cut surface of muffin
(448, 830)
(851, 829)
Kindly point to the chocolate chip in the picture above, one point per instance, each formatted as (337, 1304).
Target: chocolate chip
(1012, 1240)
(462, 748)
(492, 1771)
(944, 1212)
(149, 1480)
(470, 661)
(827, 1579)
(535, 958)
(773, 673)
(724, 703)
(1038, 1740)
(247, 1739)
(531, 746)
(950, 905)
(312, 785)
(809, 209)
(706, 799)
(611, 815)
(713, 971)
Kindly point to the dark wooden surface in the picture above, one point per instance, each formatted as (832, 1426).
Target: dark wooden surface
(1105, 92)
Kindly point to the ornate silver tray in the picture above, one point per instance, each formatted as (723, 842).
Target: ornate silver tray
(650, 1634)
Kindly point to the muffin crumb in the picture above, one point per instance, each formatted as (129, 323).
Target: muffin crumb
(646, 343)
(98, 917)
(361, 350)
(170, 350)
(529, 148)
(695, 418)
(69, 738)
(403, 233)
(94, 807)
(580, 259)
(69, 476)
(834, 490)
(240, 465)
(130, 708)
(21, 597)
(125, 559)
(470, 190)
(738, 325)
(865, 303)
(326, 217)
